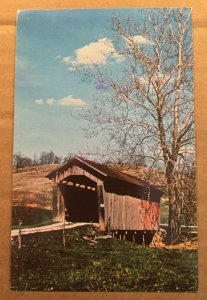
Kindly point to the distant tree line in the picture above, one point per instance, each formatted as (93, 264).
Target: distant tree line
(45, 158)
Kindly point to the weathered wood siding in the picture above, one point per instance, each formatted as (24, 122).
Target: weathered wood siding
(75, 170)
(129, 213)
(116, 211)
(57, 203)
(101, 211)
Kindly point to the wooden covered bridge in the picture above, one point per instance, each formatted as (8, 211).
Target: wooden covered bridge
(85, 191)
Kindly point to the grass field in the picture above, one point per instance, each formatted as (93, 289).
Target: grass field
(30, 187)
(110, 265)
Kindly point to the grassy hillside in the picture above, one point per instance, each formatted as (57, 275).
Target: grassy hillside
(31, 188)
(110, 265)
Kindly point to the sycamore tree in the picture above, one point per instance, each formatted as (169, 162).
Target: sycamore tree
(146, 105)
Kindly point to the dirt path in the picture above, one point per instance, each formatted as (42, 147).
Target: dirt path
(52, 227)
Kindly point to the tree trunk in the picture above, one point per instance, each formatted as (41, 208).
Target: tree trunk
(174, 224)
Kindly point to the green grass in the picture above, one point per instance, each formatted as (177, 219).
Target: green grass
(35, 225)
(111, 265)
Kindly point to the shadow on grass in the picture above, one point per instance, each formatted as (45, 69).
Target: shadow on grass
(30, 216)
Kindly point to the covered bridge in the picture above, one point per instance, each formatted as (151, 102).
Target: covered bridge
(85, 191)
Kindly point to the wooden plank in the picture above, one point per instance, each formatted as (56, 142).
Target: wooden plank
(58, 204)
(100, 195)
(112, 210)
(89, 240)
(130, 213)
(116, 211)
(105, 197)
(75, 170)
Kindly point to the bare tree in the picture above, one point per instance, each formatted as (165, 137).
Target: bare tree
(147, 107)
(21, 161)
(68, 156)
(187, 195)
(49, 158)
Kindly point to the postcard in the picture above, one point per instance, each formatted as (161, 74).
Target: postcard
(103, 192)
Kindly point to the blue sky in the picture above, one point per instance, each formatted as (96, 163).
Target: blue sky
(46, 91)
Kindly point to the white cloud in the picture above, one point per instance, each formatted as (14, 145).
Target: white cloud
(39, 101)
(67, 60)
(100, 52)
(138, 39)
(51, 101)
(94, 53)
(161, 78)
(71, 101)
(66, 101)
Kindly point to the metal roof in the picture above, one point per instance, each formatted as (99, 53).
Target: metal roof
(101, 171)
(107, 171)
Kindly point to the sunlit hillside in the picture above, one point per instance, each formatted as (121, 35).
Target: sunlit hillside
(31, 187)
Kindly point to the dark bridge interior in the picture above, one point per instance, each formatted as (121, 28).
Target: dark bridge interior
(80, 196)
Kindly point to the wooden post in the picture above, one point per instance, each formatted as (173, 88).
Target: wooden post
(125, 235)
(54, 199)
(100, 199)
(20, 235)
(144, 238)
(60, 205)
(109, 226)
(64, 232)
